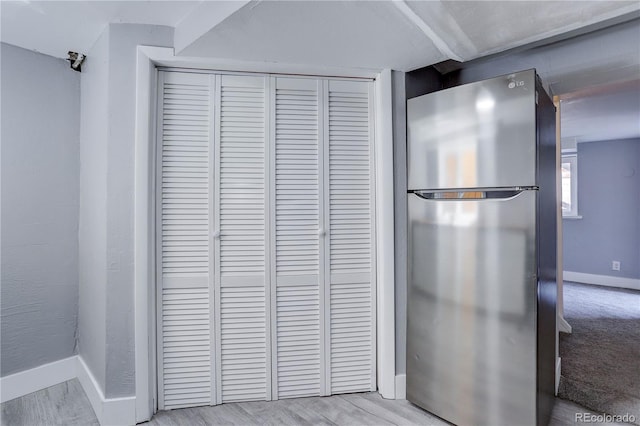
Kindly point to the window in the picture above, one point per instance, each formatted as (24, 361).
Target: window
(570, 186)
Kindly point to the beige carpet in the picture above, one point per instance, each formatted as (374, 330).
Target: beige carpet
(601, 358)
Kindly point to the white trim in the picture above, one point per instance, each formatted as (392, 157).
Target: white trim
(558, 372)
(38, 378)
(385, 236)
(401, 386)
(164, 57)
(563, 325)
(109, 411)
(90, 386)
(147, 60)
(156, 281)
(605, 280)
(373, 178)
(144, 224)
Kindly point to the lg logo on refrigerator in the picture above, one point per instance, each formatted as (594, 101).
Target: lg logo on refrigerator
(513, 84)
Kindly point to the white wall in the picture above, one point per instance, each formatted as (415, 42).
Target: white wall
(400, 216)
(107, 204)
(124, 39)
(93, 207)
(40, 179)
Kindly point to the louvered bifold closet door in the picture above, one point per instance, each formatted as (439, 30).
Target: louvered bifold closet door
(243, 335)
(298, 333)
(184, 259)
(351, 237)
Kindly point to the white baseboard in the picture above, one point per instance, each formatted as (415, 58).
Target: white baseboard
(605, 280)
(563, 325)
(109, 411)
(401, 386)
(38, 378)
(558, 372)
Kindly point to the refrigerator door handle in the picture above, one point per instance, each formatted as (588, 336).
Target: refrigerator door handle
(472, 194)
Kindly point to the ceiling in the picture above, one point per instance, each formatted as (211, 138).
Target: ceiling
(401, 35)
(56, 27)
(603, 113)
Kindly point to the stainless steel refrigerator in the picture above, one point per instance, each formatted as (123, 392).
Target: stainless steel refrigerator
(481, 315)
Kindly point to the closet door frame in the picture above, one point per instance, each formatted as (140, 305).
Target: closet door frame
(149, 61)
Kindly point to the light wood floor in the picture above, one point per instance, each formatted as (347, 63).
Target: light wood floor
(66, 404)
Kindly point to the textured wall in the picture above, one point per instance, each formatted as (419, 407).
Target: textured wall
(123, 42)
(609, 203)
(93, 207)
(40, 172)
(107, 204)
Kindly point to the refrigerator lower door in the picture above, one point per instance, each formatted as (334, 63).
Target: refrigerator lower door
(471, 330)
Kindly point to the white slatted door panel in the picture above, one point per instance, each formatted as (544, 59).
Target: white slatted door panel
(184, 326)
(351, 259)
(297, 247)
(243, 336)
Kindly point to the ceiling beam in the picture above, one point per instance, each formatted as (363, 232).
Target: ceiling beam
(438, 41)
(201, 20)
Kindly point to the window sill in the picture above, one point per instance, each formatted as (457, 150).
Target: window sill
(572, 217)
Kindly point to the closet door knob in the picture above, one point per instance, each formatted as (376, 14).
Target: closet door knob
(322, 232)
(216, 234)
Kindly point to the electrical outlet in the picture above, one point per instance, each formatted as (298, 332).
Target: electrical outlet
(615, 265)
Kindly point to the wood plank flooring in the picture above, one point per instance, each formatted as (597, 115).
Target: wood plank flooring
(67, 404)
(63, 404)
(349, 409)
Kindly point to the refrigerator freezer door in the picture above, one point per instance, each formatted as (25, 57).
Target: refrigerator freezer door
(477, 135)
(471, 329)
